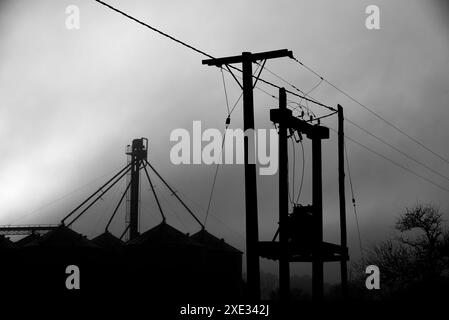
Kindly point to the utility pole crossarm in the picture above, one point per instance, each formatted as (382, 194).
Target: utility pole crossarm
(312, 131)
(254, 57)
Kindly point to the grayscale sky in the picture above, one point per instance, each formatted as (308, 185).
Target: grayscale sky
(71, 100)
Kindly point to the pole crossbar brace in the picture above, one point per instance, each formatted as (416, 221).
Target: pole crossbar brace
(233, 75)
(260, 71)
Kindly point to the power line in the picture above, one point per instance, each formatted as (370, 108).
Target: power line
(315, 86)
(241, 94)
(308, 110)
(227, 123)
(285, 81)
(296, 88)
(303, 95)
(225, 92)
(154, 29)
(393, 162)
(202, 52)
(354, 205)
(352, 122)
(397, 149)
(216, 173)
(302, 174)
(372, 112)
(380, 139)
(377, 138)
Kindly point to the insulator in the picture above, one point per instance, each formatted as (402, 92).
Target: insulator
(299, 139)
(228, 120)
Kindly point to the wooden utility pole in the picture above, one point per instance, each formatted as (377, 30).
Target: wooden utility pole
(252, 225)
(317, 204)
(341, 190)
(284, 261)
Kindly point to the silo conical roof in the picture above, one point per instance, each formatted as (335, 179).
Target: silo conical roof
(107, 240)
(164, 235)
(212, 242)
(26, 240)
(62, 237)
(5, 243)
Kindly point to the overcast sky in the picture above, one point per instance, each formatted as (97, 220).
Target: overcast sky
(71, 100)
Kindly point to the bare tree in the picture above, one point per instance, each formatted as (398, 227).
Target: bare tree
(424, 218)
(427, 222)
(417, 258)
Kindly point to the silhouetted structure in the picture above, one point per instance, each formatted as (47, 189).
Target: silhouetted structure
(166, 262)
(222, 266)
(301, 231)
(108, 241)
(27, 239)
(5, 243)
(252, 228)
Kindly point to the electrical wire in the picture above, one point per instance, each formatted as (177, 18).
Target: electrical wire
(307, 94)
(240, 96)
(227, 123)
(391, 146)
(217, 166)
(393, 162)
(302, 174)
(303, 96)
(370, 110)
(285, 81)
(203, 53)
(225, 92)
(397, 149)
(354, 205)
